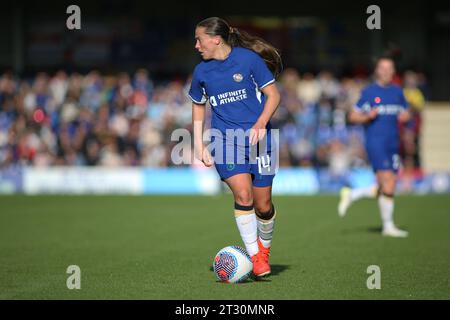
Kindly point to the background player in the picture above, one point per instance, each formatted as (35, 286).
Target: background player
(237, 75)
(380, 107)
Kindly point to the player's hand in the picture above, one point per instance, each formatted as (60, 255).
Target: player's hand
(404, 116)
(372, 114)
(207, 158)
(257, 132)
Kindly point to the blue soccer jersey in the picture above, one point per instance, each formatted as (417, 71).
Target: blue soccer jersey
(233, 89)
(382, 133)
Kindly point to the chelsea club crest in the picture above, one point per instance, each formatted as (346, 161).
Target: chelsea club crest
(238, 77)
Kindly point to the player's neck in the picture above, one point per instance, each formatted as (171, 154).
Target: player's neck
(222, 52)
(383, 84)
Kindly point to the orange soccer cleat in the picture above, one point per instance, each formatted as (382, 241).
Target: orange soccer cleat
(265, 252)
(260, 261)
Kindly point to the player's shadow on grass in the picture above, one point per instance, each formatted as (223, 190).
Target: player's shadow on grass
(275, 269)
(380, 229)
(362, 230)
(374, 229)
(377, 230)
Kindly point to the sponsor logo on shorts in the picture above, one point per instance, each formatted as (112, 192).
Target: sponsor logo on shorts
(230, 166)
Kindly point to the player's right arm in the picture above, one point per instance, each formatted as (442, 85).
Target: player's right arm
(198, 96)
(359, 117)
(198, 123)
(362, 112)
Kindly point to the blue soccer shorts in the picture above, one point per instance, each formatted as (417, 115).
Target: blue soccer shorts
(256, 161)
(384, 157)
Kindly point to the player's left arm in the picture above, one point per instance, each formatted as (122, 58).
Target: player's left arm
(404, 115)
(265, 80)
(272, 101)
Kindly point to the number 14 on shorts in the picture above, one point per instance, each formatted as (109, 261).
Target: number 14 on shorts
(263, 164)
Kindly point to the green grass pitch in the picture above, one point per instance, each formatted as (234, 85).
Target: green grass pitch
(162, 247)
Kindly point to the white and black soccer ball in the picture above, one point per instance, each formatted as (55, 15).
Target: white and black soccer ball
(232, 264)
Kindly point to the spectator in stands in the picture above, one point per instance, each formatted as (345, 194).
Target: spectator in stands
(411, 131)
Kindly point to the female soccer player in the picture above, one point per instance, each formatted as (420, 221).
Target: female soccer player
(381, 105)
(237, 76)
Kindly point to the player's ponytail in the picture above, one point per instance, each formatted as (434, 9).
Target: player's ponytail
(236, 38)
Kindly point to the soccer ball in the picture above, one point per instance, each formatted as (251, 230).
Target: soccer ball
(232, 264)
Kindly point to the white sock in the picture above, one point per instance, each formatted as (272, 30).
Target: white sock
(367, 192)
(386, 205)
(246, 222)
(265, 230)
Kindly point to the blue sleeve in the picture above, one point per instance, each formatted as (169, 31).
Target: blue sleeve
(261, 73)
(363, 103)
(197, 91)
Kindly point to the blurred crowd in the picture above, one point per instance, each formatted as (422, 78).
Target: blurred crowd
(127, 120)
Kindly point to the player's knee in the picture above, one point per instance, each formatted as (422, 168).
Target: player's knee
(244, 197)
(388, 193)
(389, 186)
(263, 207)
